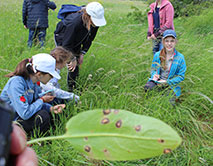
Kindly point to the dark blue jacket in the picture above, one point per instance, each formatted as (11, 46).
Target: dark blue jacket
(35, 13)
(77, 38)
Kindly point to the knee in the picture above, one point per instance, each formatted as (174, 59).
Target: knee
(43, 117)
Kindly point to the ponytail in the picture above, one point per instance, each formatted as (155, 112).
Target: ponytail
(24, 69)
(163, 58)
(86, 19)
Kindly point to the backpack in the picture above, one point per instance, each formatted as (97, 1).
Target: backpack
(61, 27)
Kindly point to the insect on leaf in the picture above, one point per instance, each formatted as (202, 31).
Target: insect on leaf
(120, 135)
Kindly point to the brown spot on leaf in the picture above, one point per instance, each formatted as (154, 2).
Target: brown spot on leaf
(167, 151)
(106, 153)
(105, 121)
(87, 149)
(118, 124)
(105, 150)
(138, 128)
(106, 112)
(161, 141)
(116, 111)
(86, 138)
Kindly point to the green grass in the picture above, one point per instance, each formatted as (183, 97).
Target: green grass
(113, 75)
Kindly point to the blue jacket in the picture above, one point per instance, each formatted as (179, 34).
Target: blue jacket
(22, 96)
(35, 13)
(177, 71)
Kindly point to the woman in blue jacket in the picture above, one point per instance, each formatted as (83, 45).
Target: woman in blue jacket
(168, 66)
(22, 92)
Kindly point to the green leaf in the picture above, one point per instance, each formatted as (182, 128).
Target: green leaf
(120, 135)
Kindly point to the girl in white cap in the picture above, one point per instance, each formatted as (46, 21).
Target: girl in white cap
(23, 94)
(80, 31)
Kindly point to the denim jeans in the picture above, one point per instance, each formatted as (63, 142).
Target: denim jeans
(34, 33)
(157, 45)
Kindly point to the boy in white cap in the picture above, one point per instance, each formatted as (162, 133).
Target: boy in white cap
(22, 92)
(80, 31)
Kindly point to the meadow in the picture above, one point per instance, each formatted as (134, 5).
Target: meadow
(114, 73)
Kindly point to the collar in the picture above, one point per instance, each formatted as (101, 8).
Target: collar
(163, 3)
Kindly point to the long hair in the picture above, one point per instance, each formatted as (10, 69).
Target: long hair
(86, 19)
(61, 54)
(163, 58)
(22, 69)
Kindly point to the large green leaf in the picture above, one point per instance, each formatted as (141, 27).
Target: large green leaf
(120, 135)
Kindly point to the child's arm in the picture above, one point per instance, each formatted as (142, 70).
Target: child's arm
(24, 13)
(50, 4)
(59, 93)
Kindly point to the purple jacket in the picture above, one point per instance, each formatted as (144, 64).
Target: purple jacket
(166, 13)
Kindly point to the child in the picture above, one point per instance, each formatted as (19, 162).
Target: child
(22, 92)
(35, 18)
(168, 66)
(62, 57)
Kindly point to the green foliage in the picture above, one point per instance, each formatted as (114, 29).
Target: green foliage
(190, 8)
(138, 15)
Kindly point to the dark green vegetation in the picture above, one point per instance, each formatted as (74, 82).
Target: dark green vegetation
(113, 75)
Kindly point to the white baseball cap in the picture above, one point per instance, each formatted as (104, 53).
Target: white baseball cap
(96, 12)
(45, 63)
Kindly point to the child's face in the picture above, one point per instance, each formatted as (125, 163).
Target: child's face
(61, 65)
(44, 78)
(169, 43)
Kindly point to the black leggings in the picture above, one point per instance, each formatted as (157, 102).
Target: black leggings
(41, 120)
(71, 79)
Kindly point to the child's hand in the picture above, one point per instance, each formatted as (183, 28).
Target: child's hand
(47, 98)
(153, 37)
(156, 77)
(57, 108)
(72, 65)
(162, 81)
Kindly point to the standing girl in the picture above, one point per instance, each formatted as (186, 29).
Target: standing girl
(160, 18)
(22, 92)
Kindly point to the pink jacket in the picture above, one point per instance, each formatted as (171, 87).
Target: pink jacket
(166, 13)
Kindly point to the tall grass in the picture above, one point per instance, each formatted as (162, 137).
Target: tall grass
(113, 74)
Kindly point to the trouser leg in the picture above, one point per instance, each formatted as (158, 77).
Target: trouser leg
(31, 37)
(40, 120)
(71, 78)
(41, 36)
(156, 45)
(149, 85)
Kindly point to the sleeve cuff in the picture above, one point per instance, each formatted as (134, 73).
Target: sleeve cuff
(83, 52)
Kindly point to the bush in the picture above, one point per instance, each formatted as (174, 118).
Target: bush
(138, 15)
(188, 7)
